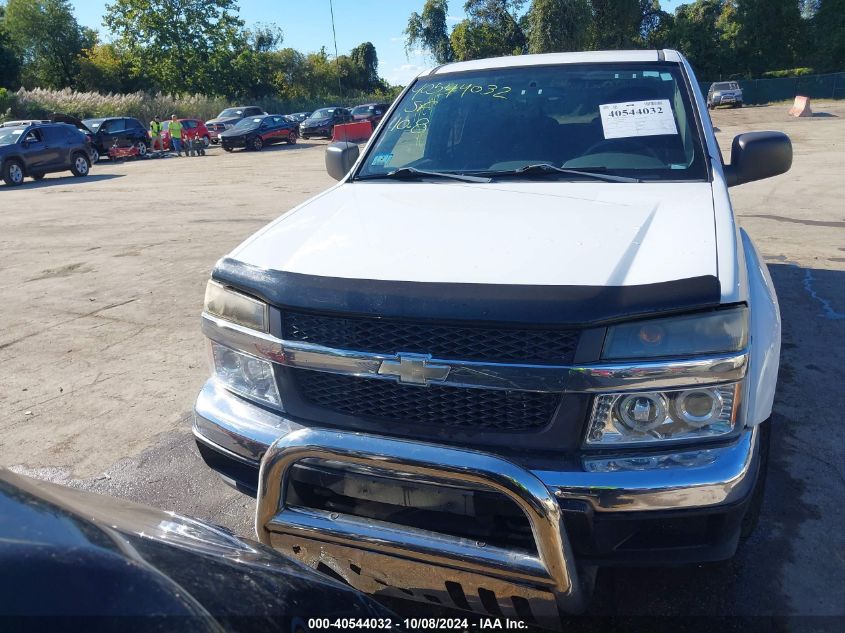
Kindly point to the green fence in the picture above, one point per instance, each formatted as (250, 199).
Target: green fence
(830, 86)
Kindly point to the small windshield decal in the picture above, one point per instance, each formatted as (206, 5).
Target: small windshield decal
(381, 160)
(637, 118)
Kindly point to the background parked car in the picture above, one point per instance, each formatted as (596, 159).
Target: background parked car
(321, 122)
(300, 116)
(42, 148)
(724, 93)
(120, 131)
(372, 112)
(227, 119)
(256, 132)
(191, 128)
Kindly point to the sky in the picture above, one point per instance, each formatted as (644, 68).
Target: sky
(307, 26)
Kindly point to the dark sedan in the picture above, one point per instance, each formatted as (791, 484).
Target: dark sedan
(257, 131)
(372, 112)
(322, 122)
(74, 560)
(42, 148)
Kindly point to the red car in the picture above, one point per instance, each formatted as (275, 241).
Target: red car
(191, 128)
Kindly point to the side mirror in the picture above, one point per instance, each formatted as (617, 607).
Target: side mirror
(758, 155)
(340, 157)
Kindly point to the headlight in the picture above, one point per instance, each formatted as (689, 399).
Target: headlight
(654, 416)
(233, 306)
(246, 375)
(721, 331)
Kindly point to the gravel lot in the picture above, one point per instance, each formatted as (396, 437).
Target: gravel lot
(101, 288)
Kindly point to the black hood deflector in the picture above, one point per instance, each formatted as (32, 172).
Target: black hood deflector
(494, 303)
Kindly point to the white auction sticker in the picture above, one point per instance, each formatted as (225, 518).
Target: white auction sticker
(637, 118)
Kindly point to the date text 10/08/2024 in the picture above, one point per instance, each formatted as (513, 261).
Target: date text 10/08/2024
(416, 624)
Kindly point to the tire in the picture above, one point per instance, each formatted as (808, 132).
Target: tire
(13, 173)
(37, 176)
(80, 165)
(305, 137)
(257, 144)
(755, 506)
(142, 149)
(95, 155)
(227, 149)
(292, 138)
(206, 142)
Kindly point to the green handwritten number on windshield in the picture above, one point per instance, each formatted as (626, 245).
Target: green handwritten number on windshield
(417, 112)
(420, 126)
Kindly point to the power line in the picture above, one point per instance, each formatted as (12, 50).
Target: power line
(336, 57)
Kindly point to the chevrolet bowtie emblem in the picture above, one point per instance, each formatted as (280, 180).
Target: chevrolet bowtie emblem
(414, 369)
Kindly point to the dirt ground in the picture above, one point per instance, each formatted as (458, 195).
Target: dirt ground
(101, 288)
(101, 356)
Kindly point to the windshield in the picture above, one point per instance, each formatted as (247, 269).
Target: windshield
(323, 113)
(360, 110)
(248, 123)
(625, 119)
(229, 113)
(9, 135)
(725, 86)
(93, 124)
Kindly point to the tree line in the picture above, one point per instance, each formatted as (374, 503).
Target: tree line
(722, 38)
(172, 47)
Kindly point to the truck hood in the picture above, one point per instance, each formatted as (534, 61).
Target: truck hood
(225, 121)
(526, 233)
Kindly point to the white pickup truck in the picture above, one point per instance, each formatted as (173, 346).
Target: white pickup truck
(523, 338)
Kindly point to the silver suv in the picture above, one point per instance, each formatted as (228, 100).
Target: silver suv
(724, 93)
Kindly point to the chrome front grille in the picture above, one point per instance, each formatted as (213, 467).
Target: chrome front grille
(437, 406)
(443, 341)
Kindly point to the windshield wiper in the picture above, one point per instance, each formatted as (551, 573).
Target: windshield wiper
(412, 173)
(542, 169)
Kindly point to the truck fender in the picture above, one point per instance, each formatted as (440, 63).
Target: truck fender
(765, 332)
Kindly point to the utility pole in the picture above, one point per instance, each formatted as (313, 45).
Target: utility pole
(336, 57)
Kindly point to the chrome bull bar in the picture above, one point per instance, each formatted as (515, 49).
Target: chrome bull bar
(386, 559)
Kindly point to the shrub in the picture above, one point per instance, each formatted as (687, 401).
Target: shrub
(39, 103)
(6, 101)
(788, 72)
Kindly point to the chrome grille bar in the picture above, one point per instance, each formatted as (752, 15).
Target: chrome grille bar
(471, 374)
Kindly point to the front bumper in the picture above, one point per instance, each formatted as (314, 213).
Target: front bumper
(324, 130)
(725, 100)
(233, 141)
(239, 433)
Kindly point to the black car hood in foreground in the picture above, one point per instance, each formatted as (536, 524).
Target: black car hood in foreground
(77, 560)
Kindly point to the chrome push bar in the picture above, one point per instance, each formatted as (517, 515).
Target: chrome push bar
(387, 559)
